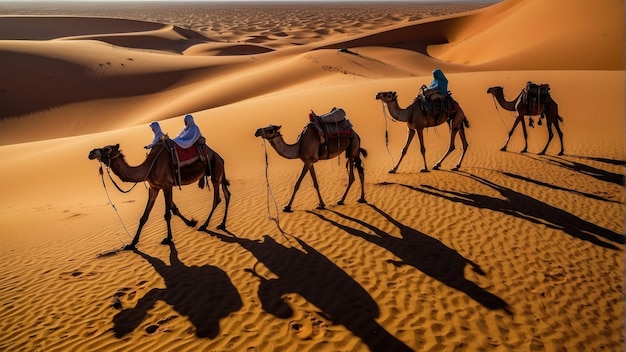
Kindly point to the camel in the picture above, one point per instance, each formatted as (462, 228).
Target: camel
(550, 110)
(417, 120)
(157, 170)
(308, 149)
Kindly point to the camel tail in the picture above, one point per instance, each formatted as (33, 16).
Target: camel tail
(364, 152)
(466, 123)
(559, 117)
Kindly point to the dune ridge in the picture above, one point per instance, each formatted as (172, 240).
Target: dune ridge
(513, 252)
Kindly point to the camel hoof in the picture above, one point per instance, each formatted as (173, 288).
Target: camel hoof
(542, 153)
(129, 247)
(425, 170)
(524, 151)
(561, 153)
(287, 209)
(166, 241)
(221, 227)
(456, 168)
(202, 228)
(362, 201)
(503, 149)
(192, 223)
(436, 167)
(340, 202)
(392, 171)
(322, 207)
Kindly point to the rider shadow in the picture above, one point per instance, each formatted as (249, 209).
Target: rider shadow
(203, 294)
(311, 275)
(526, 208)
(424, 253)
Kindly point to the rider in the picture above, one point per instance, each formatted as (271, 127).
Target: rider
(438, 88)
(158, 133)
(190, 133)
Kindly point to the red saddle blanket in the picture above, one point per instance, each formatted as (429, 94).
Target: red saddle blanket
(189, 155)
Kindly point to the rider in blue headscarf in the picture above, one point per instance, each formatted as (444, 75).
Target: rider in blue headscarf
(158, 133)
(189, 135)
(439, 85)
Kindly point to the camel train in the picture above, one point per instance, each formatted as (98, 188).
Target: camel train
(323, 138)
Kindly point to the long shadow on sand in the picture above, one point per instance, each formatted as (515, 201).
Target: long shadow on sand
(311, 275)
(526, 208)
(598, 174)
(204, 294)
(424, 253)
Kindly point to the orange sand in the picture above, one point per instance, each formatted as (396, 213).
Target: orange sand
(515, 252)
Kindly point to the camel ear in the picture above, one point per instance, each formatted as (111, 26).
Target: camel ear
(278, 127)
(117, 146)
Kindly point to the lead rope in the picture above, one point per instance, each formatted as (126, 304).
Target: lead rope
(495, 103)
(106, 191)
(271, 195)
(386, 117)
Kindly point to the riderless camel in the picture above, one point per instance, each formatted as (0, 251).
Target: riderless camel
(549, 109)
(157, 170)
(308, 148)
(417, 120)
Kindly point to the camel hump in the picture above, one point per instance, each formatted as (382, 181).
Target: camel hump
(335, 115)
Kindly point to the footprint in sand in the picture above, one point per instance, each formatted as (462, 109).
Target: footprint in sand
(307, 328)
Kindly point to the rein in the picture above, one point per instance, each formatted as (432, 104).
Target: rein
(271, 195)
(386, 117)
(495, 103)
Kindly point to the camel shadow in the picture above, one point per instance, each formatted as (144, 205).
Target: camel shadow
(551, 186)
(311, 275)
(526, 208)
(598, 174)
(424, 253)
(203, 294)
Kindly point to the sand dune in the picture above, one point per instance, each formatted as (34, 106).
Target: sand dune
(514, 252)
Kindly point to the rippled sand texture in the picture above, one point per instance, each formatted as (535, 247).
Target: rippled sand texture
(513, 252)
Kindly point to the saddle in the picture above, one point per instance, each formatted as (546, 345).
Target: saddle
(535, 96)
(182, 157)
(331, 125)
(446, 106)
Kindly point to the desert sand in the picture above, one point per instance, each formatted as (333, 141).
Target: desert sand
(513, 252)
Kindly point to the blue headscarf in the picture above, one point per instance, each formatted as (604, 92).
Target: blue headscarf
(439, 82)
(189, 135)
(158, 133)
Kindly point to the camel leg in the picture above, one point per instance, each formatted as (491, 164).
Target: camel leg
(305, 169)
(359, 168)
(350, 181)
(317, 188)
(409, 138)
(167, 193)
(465, 145)
(520, 118)
(152, 195)
(226, 191)
(453, 131)
(420, 136)
(216, 201)
(550, 136)
(188, 222)
(525, 132)
(560, 133)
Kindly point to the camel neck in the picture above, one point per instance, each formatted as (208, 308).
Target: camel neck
(137, 173)
(506, 105)
(397, 112)
(288, 151)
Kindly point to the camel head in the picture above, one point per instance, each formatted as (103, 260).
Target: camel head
(386, 97)
(495, 90)
(105, 154)
(268, 132)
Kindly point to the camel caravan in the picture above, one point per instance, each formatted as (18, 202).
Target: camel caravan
(187, 159)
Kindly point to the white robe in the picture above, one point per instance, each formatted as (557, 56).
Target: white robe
(158, 133)
(189, 135)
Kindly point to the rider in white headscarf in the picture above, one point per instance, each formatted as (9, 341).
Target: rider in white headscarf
(189, 135)
(158, 133)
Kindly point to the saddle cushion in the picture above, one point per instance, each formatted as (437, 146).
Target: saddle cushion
(187, 156)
